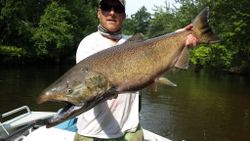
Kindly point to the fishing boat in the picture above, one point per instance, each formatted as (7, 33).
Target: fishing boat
(22, 124)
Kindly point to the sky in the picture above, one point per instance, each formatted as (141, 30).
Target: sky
(132, 6)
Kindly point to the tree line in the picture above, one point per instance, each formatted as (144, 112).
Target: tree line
(49, 31)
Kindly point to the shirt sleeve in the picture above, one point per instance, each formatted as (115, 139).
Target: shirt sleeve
(84, 50)
(92, 44)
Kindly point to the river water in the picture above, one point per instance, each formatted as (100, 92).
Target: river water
(205, 106)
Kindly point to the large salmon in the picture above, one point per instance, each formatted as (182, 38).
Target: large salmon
(124, 68)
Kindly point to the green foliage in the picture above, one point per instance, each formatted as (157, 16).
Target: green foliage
(220, 56)
(12, 51)
(200, 56)
(230, 19)
(162, 22)
(138, 23)
(10, 20)
(83, 15)
(17, 20)
(11, 54)
(54, 32)
(232, 23)
(214, 56)
(45, 29)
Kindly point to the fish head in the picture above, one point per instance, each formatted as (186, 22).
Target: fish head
(80, 90)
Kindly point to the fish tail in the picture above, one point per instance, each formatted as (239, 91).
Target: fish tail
(202, 29)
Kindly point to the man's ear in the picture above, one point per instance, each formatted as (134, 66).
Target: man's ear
(98, 13)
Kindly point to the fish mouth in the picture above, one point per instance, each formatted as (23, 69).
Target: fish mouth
(68, 111)
(71, 110)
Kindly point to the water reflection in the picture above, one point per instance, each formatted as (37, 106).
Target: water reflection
(204, 106)
(21, 85)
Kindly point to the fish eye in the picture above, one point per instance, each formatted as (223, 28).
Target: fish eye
(69, 91)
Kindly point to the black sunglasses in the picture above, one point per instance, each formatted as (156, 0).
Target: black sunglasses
(118, 8)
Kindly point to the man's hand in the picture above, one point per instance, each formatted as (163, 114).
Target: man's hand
(191, 41)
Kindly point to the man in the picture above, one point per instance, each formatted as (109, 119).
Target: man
(117, 118)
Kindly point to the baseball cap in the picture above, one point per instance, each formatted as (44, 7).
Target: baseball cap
(121, 1)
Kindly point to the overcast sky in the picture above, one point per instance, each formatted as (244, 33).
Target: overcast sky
(132, 6)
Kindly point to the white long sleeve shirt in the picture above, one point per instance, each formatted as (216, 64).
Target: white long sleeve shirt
(114, 117)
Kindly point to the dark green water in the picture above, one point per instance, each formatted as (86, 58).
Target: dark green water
(204, 107)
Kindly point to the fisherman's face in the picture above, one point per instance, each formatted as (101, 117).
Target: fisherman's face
(111, 15)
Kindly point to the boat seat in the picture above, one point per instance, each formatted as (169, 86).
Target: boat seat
(26, 118)
(18, 133)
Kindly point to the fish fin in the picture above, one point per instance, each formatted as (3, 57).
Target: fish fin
(136, 37)
(183, 60)
(161, 80)
(202, 29)
(165, 81)
(154, 87)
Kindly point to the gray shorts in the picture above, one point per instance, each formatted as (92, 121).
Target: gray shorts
(129, 136)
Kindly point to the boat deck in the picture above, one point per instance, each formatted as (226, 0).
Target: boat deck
(28, 127)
